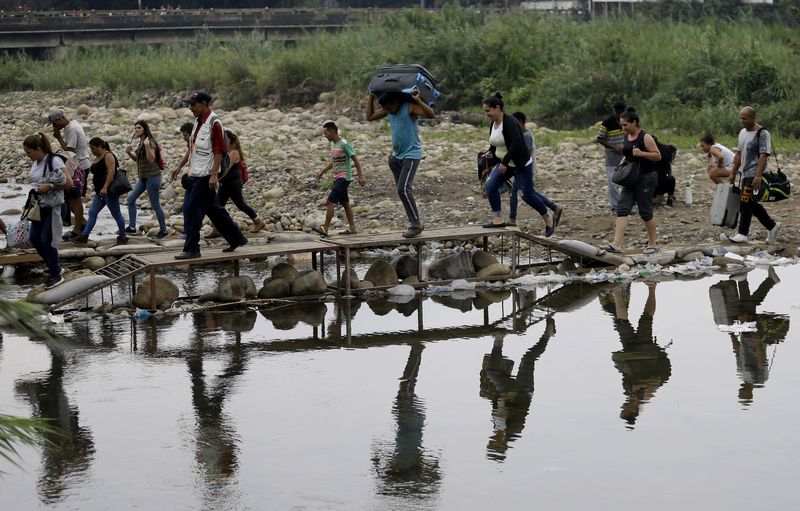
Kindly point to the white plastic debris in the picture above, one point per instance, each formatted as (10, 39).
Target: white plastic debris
(537, 280)
(401, 290)
(462, 284)
(738, 328)
(55, 318)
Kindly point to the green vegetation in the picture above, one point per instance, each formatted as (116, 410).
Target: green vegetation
(683, 77)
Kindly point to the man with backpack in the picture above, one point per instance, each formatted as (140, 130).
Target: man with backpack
(752, 152)
(71, 137)
(207, 146)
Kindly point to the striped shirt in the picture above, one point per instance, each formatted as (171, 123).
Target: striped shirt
(611, 132)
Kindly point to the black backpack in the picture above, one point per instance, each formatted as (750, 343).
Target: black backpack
(664, 165)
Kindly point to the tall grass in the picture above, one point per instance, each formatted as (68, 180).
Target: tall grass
(687, 77)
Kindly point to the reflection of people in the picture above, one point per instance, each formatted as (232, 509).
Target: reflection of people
(408, 469)
(69, 452)
(732, 301)
(216, 441)
(510, 396)
(644, 364)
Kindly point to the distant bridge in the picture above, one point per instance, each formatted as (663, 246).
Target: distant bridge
(21, 30)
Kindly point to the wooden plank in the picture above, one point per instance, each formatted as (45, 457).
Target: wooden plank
(467, 232)
(216, 255)
(18, 258)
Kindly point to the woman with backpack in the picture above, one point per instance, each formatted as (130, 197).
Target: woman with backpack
(49, 182)
(103, 171)
(639, 147)
(146, 152)
(231, 183)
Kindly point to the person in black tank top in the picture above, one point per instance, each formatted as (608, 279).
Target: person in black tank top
(103, 170)
(641, 148)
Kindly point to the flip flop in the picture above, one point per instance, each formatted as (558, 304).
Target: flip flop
(320, 231)
(651, 250)
(612, 249)
(346, 232)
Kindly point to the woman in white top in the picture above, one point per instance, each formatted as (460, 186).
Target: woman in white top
(720, 159)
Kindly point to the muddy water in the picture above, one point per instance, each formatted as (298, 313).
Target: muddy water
(579, 397)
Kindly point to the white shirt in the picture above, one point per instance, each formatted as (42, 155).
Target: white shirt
(39, 167)
(75, 138)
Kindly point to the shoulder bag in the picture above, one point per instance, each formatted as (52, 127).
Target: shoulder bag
(626, 174)
(120, 185)
(775, 186)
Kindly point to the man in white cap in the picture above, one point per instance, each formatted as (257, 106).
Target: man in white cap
(71, 137)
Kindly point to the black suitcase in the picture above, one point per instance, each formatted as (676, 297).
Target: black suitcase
(405, 78)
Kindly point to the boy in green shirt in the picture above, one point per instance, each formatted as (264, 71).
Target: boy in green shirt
(342, 153)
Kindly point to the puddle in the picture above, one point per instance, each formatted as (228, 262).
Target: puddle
(564, 397)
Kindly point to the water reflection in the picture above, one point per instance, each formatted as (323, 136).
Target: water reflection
(65, 456)
(510, 396)
(731, 300)
(644, 364)
(216, 440)
(405, 467)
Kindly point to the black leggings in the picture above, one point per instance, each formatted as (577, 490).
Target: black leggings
(750, 207)
(232, 189)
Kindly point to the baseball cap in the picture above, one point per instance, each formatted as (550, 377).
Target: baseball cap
(55, 115)
(198, 96)
(619, 106)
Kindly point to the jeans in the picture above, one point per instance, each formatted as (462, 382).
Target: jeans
(613, 188)
(41, 237)
(519, 183)
(404, 172)
(98, 203)
(199, 201)
(750, 207)
(523, 180)
(152, 185)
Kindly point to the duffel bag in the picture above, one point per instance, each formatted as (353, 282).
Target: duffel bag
(775, 187)
(405, 78)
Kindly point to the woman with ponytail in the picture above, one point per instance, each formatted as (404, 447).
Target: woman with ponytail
(49, 181)
(103, 170)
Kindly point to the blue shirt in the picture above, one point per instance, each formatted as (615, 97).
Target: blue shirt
(405, 136)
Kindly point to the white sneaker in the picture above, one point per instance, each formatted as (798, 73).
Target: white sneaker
(772, 237)
(738, 238)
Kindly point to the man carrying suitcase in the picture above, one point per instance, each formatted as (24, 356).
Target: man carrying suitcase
(406, 147)
(752, 152)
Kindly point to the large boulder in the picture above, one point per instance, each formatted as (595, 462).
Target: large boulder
(284, 271)
(355, 282)
(93, 263)
(166, 292)
(381, 273)
(482, 259)
(234, 289)
(275, 288)
(405, 266)
(309, 283)
(455, 266)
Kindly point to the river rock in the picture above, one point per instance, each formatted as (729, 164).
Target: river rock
(381, 273)
(234, 289)
(691, 256)
(93, 263)
(275, 288)
(166, 293)
(455, 266)
(310, 283)
(284, 271)
(482, 259)
(494, 270)
(405, 266)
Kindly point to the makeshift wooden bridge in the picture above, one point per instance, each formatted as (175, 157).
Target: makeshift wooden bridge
(343, 246)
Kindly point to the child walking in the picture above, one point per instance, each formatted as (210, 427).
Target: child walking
(342, 154)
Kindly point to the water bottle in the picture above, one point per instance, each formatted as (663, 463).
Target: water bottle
(687, 195)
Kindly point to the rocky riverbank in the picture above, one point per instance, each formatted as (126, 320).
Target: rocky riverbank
(284, 148)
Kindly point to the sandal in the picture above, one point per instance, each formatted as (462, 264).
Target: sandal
(611, 249)
(347, 232)
(320, 230)
(651, 250)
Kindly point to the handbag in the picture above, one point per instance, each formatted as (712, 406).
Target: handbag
(486, 162)
(18, 235)
(120, 185)
(32, 211)
(626, 174)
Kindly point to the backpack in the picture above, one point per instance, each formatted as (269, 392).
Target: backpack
(664, 165)
(245, 173)
(72, 168)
